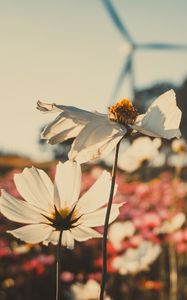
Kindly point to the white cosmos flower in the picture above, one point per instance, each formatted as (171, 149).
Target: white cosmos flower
(178, 160)
(172, 225)
(159, 160)
(179, 146)
(142, 149)
(97, 134)
(137, 260)
(88, 291)
(118, 231)
(109, 159)
(49, 208)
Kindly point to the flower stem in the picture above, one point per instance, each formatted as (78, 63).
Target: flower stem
(104, 248)
(173, 273)
(162, 275)
(58, 266)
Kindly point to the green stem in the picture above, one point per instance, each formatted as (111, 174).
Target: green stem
(104, 249)
(58, 266)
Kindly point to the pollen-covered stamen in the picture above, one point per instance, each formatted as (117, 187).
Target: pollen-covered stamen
(123, 112)
(64, 219)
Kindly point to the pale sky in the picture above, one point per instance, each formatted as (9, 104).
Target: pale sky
(69, 52)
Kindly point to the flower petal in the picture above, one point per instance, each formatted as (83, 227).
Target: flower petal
(97, 151)
(91, 141)
(162, 118)
(97, 138)
(19, 210)
(35, 188)
(48, 184)
(129, 162)
(64, 135)
(97, 195)
(61, 129)
(142, 149)
(78, 115)
(46, 107)
(67, 183)
(53, 238)
(68, 240)
(68, 124)
(97, 218)
(33, 234)
(82, 233)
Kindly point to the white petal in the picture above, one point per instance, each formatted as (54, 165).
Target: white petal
(68, 124)
(97, 218)
(97, 138)
(178, 160)
(77, 115)
(96, 151)
(61, 129)
(67, 239)
(33, 234)
(118, 231)
(46, 107)
(143, 148)
(89, 290)
(140, 118)
(19, 210)
(53, 238)
(48, 184)
(128, 163)
(82, 233)
(92, 141)
(162, 118)
(62, 135)
(152, 124)
(67, 183)
(34, 187)
(97, 195)
(172, 225)
(157, 143)
(159, 160)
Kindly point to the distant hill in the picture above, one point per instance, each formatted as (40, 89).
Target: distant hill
(9, 162)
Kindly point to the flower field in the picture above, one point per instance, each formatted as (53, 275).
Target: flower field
(93, 150)
(147, 244)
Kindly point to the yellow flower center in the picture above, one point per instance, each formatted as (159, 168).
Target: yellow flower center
(64, 219)
(123, 112)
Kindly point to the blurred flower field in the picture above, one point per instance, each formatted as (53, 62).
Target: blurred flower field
(147, 244)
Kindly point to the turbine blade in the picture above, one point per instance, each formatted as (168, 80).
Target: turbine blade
(132, 76)
(117, 21)
(162, 46)
(124, 71)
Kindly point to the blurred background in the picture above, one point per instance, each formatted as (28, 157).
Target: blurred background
(90, 54)
(73, 52)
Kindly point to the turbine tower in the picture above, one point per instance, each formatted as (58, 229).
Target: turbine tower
(128, 64)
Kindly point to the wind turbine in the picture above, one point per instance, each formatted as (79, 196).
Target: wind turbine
(128, 65)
